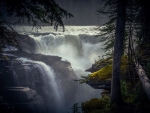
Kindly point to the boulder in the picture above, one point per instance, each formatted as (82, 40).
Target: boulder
(100, 78)
(7, 75)
(24, 99)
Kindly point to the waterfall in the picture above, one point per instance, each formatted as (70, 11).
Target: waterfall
(81, 50)
(51, 87)
(73, 48)
(80, 47)
(60, 45)
(49, 78)
(14, 78)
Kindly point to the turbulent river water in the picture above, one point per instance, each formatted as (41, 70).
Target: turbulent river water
(77, 45)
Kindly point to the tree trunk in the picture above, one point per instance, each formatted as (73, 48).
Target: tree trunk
(144, 80)
(116, 96)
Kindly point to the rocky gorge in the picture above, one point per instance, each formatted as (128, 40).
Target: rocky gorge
(17, 76)
(46, 69)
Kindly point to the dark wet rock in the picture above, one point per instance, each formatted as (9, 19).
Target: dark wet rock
(30, 76)
(38, 34)
(38, 57)
(24, 99)
(27, 43)
(106, 84)
(7, 75)
(97, 83)
(18, 94)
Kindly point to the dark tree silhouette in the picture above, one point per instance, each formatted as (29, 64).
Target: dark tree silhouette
(118, 48)
(28, 11)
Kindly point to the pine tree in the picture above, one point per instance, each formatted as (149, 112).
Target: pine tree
(32, 12)
(116, 96)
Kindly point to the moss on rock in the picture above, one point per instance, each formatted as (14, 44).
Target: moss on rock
(106, 72)
(103, 73)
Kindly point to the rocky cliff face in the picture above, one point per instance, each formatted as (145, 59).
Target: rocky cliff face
(23, 99)
(27, 44)
(28, 75)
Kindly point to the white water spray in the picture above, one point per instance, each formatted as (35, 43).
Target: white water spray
(76, 49)
(48, 77)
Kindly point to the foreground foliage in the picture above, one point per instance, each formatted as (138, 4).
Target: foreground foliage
(27, 12)
(131, 95)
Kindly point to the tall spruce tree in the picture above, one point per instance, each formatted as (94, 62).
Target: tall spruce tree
(116, 96)
(115, 27)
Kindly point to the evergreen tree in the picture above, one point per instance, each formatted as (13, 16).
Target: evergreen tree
(116, 96)
(115, 32)
(27, 11)
(137, 30)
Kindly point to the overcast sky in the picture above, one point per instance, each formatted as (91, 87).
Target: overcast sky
(84, 12)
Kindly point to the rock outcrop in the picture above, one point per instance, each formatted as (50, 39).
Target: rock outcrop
(29, 75)
(100, 78)
(27, 43)
(24, 99)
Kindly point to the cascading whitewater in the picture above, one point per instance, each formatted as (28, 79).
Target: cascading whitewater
(59, 45)
(73, 48)
(48, 77)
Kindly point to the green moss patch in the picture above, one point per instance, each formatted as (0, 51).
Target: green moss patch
(106, 72)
